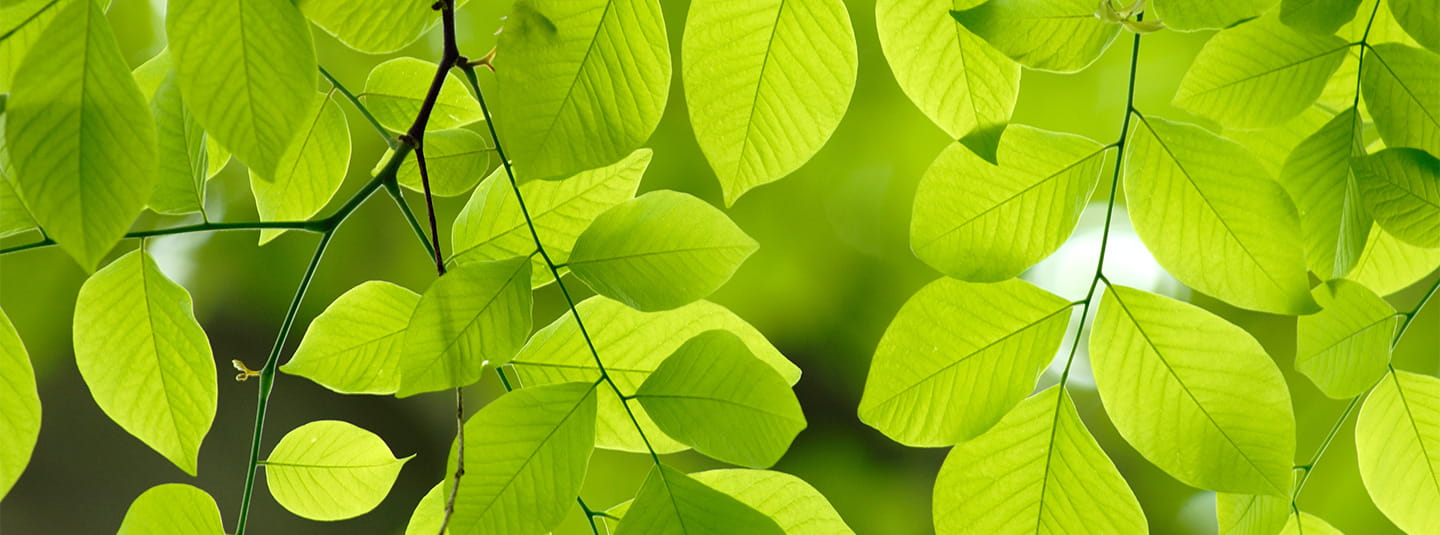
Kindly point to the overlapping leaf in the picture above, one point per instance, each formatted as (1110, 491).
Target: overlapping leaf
(792, 503)
(1397, 441)
(672, 503)
(356, 344)
(1388, 265)
(14, 216)
(372, 26)
(1401, 86)
(172, 509)
(1420, 19)
(19, 406)
(1318, 176)
(1050, 35)
(180, 174)
(395, 89)
(476, 315)
(455, 160)
(310, 171)
(1344, 348)
(331, 470)
(1401, 189)
(1318, 16)
(1250, 514)
(1189, 15)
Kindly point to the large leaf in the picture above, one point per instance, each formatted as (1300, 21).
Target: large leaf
(1401, 189)
(672, 503)
(1397, 442)
(1401, 86)
(1214, 218)
(491, 226)
(766, 83)
(1049, 35)
(395, 89)
(19, 406)
(309, 173)
(1037, 471)
(455, 160)
(714, 395)
(1421, 19)
(180, 173)
(632, 344)
(80, 136)
(977, 221)
(1388, 265)
(331, 470)
(1318, 16)
(172, 509)
(963, 84)
(144, 358)
(1249, 514)
(372, 26)
(475, 316)
(1318, 176)
(792, 503)
(22, 22)
(1344, 348)
(525, 459)
(1259, 74)
(1188, 15)
(584, 81)
(1194, 394)
(660, 251)
(355, 345)
(958, 356)
(247, 71)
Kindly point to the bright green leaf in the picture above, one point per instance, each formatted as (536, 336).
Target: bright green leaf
(216, 157)
(584, 81)
(1308, 524)
(933, 382)
(474, 316)
(525, 460)
(180, 174)
(1344, 348)
(80, 136)
(792, 503)
(455, 160)
(1194, 394)
(672, 503)
(1249, 514)
(1189, 15)
(19, 406)
(1397, 442)
(14, 216)
(1401, 189)
(429, 513)
(395, 89)
(660, 251)
(1421, 19)
(1259, 74)
(714, 395)
(1037, 471)
(1388, 265)
(1401, 86)
(310, 172)
(21, 23)
(331, 470)
(372, 26)
(355, 345)
(172, 509)
(1272, 146)
(982, 222)
(247, 72)
(1214, 218)
(1049, 35)
(1318, 176)
(766, 83)
(1318, 16)
(144, 358)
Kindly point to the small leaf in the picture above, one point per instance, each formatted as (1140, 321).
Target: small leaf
(525, 460)
(1038, 470)
(455, 160)
(672, 503)
(1049, 35)
(1401, 86)
(1397, 442)
(1308, 524)
(766, 83)
(792, 503)
(1388, 265)
(474, 316)
(144, 358)
(1344, 348)
(172, 509)
(1194, 394)
(1249, 514)
(1318, 176)
(180, 177)
(331, 470)
(1401, 188)
(429, 513)
(372, 26)
(355, 345)
(931, 384)
(310, 171)
(1318, 16)
(14, 216)
(395, 89)
(19, 406)
(660, 251)
(1190, 15)
(714, 395)
(1421, 19)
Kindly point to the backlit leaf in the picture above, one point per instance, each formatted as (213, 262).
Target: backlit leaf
(429, 513)
(1049, 35)
(180, 174)
(372, 26)
(172, 509)
(1388, 265)
(1421, 19)
(792, 503)
(1189, 15)
(355, 345)
(1344, 348)
(331, 470)
(310, 171)
(1318, 16)
(1401, 188)
(14, 216)
(1397, 442)
(19, 406)
(1401, 86)
(395, 89)
(672, 503)
(476, 315)
(1250, 514)
(455, 160)
(1318, 176)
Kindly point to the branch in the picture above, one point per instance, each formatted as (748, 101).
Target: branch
(384, 134)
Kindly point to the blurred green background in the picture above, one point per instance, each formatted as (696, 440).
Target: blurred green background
(833, 268)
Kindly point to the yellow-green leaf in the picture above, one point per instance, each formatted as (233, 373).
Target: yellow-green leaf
(172, 509)
(355, 345)
(19, 406)
(331, 470)
(309, 173)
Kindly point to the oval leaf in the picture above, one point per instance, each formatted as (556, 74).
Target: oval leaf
(395, 89)
(672, 503)
(429, 513)
(455, 160)
(331, 470)
(372, 26)
(1397, 442)
(19, 406)
(355, 345)
(792, 503)
(1049, 35)
(474, 316)
(1319, 177)
(1345, 347)
(1318, 16)
(1388, 265)
(309, 173)
(1401, 86)
(1401, 188)
(172, 509)
(1189, 15)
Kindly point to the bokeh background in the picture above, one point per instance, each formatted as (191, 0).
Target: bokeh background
(833, 268)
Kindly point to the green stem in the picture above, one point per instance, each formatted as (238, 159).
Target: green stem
(307, 226)
(390, 140)
(393, 189)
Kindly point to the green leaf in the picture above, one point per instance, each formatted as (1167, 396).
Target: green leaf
(14, 216)
(247, 72)
(1388, 265)
(19, 406)
(1318, 16)
(455, 160)
(310, 172)
(372, 26)
(1318, 176)
(355, 345)
(1273, 145)
(474, 316)
(1038, 470)
(1397, 442)
(180, 174)
(21, 23)
(525, 460)
(766, 83)
(491, 226)
(429, 513)
(584, 81)
(144, 358)
(1421, 19)
(932, 383)
(80, 136)
(632, 344)
(1345, 347)
(1401, 188)
(792, 503)
(172, 509)
(957, 80)
(1049, 35)
(1190, 15)
(1259, 74)
(1401, 86)
(1214, 218)
(331, 470)
(977, 221)
(395, 89)
(1306, 523)
(672, 503)
(714, 395)
(216, 157)
(1249, 514)
(1194, 394)
(660, 251)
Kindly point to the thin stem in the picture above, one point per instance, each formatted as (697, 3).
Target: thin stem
(390, 140)
(393, 189)
(1324, 445)
(1410, 317)
(590, 515)
(307, 226)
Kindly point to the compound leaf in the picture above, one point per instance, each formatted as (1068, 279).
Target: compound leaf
(1397, 442)
(474, 316)
(172, 509)
(331, 470)
(356, 344)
